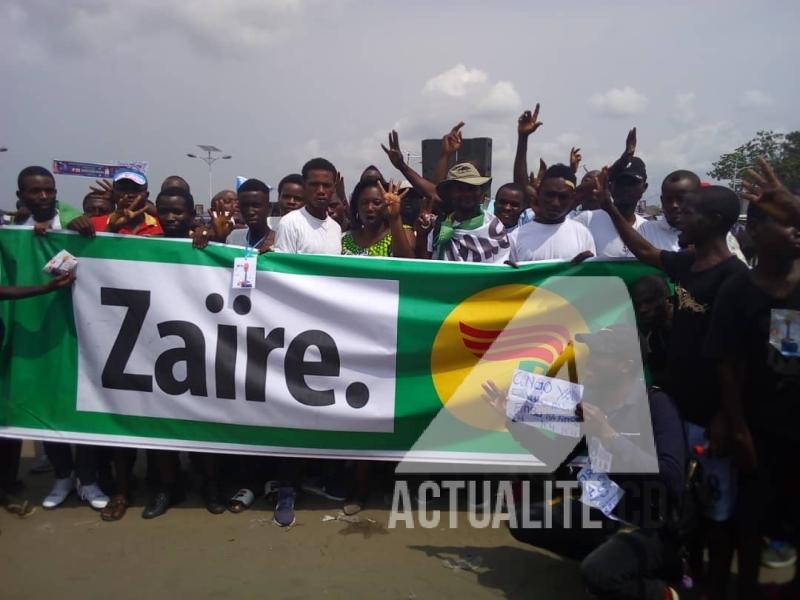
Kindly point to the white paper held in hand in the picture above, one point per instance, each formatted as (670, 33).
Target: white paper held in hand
(61, 264)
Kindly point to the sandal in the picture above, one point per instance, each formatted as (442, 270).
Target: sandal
(115, 509)
(241, 501)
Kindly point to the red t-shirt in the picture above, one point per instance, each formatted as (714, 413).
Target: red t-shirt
(149, 226)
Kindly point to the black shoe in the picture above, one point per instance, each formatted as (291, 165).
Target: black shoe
(159, 504)
(216, 503)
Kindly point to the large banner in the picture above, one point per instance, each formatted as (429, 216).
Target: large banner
(324, 356)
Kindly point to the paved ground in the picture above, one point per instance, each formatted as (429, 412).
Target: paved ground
(71, 553)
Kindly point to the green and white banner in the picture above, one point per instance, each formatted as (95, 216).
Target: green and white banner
(325, 356)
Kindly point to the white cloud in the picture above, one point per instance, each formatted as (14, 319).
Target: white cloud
(502, 98)
(756, 99)
(618, 102)
(685, 110)
(455, 82)
(209, 26)
(695, 148)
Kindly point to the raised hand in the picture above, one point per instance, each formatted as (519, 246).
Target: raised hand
(221, 224)
(770, 195)
(451, 142)
(630, 142)
(601, 193)
(575, 159)
(535, 181)
(102, 188)
(424, 222)
(529, 122)
(393, 151)
(119, 218)
(339, 187)
(392, 198)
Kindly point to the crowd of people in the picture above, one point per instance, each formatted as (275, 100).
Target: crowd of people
(723, 393)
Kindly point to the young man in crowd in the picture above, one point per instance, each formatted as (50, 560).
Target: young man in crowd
(627, 184)
(130, 217)
(308, 230)
(175, 181)
(707, 215)
(628, 552)
(663, 232)
(551, 235)
(311, 230)
(36, 197)
(175, 207)
(254, 207)
(291, 194)
(509, 205)
(339, 211)
(96, 205)
(468, 234)
(36, 191)
(227, 201)
(754, 337)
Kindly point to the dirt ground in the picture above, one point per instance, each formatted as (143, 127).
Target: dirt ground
(70, 553)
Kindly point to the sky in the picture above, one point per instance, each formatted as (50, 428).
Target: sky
(276, 82)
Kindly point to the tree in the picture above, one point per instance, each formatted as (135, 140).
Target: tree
(781, 151)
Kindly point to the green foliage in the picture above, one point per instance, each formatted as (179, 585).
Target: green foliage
(781, 151)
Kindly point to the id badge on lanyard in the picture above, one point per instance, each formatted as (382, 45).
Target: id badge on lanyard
(244, 270)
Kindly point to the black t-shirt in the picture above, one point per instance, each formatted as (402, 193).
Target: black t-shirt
(691, 376)
(740, 329)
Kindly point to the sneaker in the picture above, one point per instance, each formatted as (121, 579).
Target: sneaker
(330, 489)
(284, 507)
(272, 487)
(778, 554)
(61, 489)
(93, 495)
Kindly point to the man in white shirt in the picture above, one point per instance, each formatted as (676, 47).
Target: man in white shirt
(627, 187)
(253, 204)
(309, 230)
(663, 232)
(36, 193)
(551, 235)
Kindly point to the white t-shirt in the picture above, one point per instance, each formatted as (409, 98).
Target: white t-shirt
(300, 232)
(665, 237)
(55, 222)
(606, 238)
(238, 237)
(539, 241)
(661, 234)
(485, 244)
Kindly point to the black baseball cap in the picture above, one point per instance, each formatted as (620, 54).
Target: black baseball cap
(635, 170)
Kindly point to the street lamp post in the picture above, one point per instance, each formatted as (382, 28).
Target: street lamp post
(209, 159)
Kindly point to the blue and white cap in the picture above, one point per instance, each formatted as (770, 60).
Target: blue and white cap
(136, 176)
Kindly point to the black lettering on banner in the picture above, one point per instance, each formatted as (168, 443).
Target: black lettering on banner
(225, 362)
(193, 353)
(258, 349)
(114, 376)
(296, 368)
